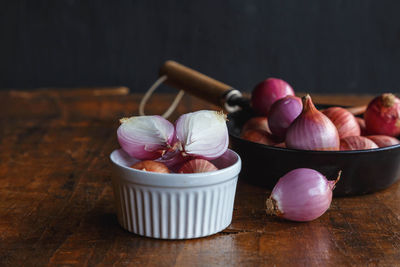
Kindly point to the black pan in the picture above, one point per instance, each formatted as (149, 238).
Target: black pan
(363, 171)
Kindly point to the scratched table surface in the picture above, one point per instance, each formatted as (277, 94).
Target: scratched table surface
(56, 201)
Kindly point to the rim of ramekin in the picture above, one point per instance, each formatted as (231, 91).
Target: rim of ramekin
(177, 180)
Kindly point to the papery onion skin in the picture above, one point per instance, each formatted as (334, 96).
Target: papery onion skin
(151, 166)
(202, 134)
(312, 130)
(356, 143)
(382, 116)
(345, 122)
(259, 123)
(258, 136)
(282, 113)
(267, 92)
(383, 140)
(145, 137)
(301, 195)
(197, 166)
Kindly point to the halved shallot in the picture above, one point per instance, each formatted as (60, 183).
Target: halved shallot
(202, 134)
(145, 137)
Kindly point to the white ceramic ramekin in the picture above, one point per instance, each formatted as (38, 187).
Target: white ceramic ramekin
(174, 206)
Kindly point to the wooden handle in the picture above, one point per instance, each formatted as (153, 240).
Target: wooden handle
(194, 82)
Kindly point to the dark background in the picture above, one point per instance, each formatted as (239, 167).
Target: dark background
(317, 46)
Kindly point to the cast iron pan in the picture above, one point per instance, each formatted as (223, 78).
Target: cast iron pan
(363, 171)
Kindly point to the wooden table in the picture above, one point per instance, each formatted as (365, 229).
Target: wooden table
(56, 201)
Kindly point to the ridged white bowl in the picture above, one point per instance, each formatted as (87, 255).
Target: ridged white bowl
(174, 206)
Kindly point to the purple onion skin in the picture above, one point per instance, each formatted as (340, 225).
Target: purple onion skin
(137, 149)
(267, 92)
(301, 195)
(282, 113)
(312, 130)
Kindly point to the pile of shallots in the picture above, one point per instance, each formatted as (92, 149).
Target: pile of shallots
(186, 147)
(285, 120)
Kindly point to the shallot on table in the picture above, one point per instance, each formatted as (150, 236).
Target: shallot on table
(301, 195)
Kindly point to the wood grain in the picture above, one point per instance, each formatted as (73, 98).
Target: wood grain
(56, 202)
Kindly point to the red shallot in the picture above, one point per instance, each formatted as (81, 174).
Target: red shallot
(197, 166)
(312, 130)
(356, 143)
(267, 92)
(301, 195)
(361, 123)
(202, 134)
(384, 140)
(282, 113)
(260, 123)
(345, 122)
(258, 136)
(150, 166)
(145, 137)
(383, 115)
